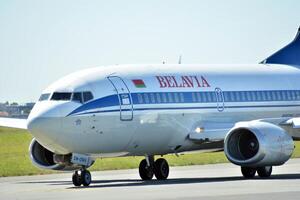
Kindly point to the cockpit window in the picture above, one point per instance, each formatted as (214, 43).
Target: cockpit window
(62, 96)
(44, 97)
(77, 96)
(87, 96)
(80, 97)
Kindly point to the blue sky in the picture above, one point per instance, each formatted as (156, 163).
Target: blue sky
(41, 41)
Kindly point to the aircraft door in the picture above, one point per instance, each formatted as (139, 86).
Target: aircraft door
(220, 99)
(125, 99)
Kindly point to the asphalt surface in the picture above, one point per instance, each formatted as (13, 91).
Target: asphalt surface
(221, 181)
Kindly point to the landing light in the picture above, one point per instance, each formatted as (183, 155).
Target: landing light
(199, 129)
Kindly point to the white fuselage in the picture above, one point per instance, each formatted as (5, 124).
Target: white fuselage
(152, 109)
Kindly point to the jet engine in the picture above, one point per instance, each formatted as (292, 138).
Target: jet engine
(257, 144)
(45, 159)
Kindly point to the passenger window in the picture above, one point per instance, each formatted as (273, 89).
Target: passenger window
(170, 97)
(164, 97)
(286, 95)
(158, 98)
(87, 96)
(193, 97)
(263, 96)
(248, 96)
(208, 97)
(278, 94)
(294, 95)
(61, 96)
(268, 95)
(273, 96)
(283, 94)
(176, 98)
(238, 96)
(199, 97)
(204, 97)
(232, 96)
(214, 97)
(181, 95)
(226, 96)
(242, 96)
(77, 96)
(152, 97)
(44, 97)
(140, 98)
(258, 96)
(297, 95)
(146, 97)
(253, 94)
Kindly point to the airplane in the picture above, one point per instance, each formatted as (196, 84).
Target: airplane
(252, 112)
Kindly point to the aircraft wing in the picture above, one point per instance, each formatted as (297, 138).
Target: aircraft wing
(292, 126)
(13, 123)
(206, 132)
(294, 122)
(209, 131)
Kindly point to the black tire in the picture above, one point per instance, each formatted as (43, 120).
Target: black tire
(264, 172)
(161, 169)
(248, 172)
(76, 179)
(146, 173)
(86, 177)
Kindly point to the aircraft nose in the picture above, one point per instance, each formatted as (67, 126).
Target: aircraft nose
(36, 123)
(44, 124)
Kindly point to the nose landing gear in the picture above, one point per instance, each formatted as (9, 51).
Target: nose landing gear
(82, 177)
(148, 168)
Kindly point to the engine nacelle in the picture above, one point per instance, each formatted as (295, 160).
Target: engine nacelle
(45, 159)
(256, 144)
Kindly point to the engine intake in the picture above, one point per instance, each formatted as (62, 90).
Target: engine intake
(257, 143)
(45, 159)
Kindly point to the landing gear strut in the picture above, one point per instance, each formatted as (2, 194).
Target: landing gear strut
(82, 177)
(263, 172)
(148, 167)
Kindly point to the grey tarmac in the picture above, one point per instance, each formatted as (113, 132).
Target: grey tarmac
(219, 181)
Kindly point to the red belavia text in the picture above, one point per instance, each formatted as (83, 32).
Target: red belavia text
(182, 81)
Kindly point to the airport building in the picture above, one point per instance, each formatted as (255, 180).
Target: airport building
(15, 110)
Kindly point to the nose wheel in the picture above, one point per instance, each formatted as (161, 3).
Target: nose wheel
(81, 177)
(148, 168)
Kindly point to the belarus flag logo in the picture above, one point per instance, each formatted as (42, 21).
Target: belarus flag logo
(139, 83)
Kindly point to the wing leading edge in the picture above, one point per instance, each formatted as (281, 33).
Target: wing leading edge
(13, 123)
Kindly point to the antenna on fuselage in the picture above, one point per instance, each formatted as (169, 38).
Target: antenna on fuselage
(179, 61)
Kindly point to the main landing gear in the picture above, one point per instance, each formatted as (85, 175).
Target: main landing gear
(82, 177)
(263, 172)
(148, 167)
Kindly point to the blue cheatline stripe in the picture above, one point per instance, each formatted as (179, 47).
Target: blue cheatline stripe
(107, 101)
(188, 108)
(158, 98)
